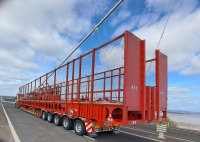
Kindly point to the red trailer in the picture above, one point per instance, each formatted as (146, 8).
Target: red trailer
(111, 85)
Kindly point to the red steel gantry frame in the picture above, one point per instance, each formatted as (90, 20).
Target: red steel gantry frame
(131, 102)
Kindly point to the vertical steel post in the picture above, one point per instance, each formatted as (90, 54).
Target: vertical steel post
(28, 89)
(119, 84)
(104, 85)
(46, 85)
(125, 53)
(31, 93)
(46, 94)
(111, 84)
(148, 103)
(25, 89)
(39, 93)
(54, 90)
(35, 93)
(157, 85)
(66, 89)
(79, 84)
(142, 77)
(72, 83)
(92, 84)
(153, 99)
(88, 86)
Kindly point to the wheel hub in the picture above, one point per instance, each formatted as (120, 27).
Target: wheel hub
(65, 123)
(56, 120)
(78, 127)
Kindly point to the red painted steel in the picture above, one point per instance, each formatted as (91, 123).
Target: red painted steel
(130, 102)
(162, 83)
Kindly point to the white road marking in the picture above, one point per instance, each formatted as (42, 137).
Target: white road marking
(157, 134)
(141, 136)
(88, 137)
(16, 138)
(85, 136)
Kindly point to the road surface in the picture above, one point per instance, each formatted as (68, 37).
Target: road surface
(5, 133)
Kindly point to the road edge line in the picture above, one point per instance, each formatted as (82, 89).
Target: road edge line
(157, 134)
(15, 136)
(141, 136)
(89, 137)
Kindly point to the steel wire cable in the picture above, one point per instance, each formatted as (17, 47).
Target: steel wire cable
(162, 33)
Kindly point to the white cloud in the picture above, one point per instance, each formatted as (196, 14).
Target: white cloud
(12, 58)
(180, 41)
(181, 37)
(181, 99)
(37, 34)
(179, 90)
(122, 15)
(164, 6)
(108, 56)
(193, 67)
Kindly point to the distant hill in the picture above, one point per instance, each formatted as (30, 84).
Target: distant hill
(9, 98)
(184, 112)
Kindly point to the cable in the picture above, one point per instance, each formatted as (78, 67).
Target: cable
(162, 34)
(103, 49)
(95, 27)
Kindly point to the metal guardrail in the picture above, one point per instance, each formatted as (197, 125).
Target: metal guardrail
(182, 125)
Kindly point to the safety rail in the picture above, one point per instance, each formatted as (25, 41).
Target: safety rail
(104, 94)
(188, 126)
(85, 78)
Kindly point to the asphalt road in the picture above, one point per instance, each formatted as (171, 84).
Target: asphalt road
(5, 132)
(121, 137)
(30, 128)
(189, 135)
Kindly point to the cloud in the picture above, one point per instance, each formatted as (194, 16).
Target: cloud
(181, 99)
(180, 41)
(178, 90)
(122, 15)
(37, 35)
(113, 54)
(12, 58)
(193, 67)
(165, 6)
(180, 37)
(110, 56)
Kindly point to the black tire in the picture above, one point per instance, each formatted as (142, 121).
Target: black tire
(44, 115)
(67, 123)
(50, 117)
(57, 120)
(79, 127)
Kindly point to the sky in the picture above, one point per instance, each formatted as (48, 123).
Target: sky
(36, 36)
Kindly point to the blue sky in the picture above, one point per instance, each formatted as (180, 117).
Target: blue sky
(35, 36)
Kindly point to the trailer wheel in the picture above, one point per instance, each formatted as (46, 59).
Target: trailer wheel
(79, 127)
(44, 115)
(67, 123)
(50, 117)
(57, 120)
